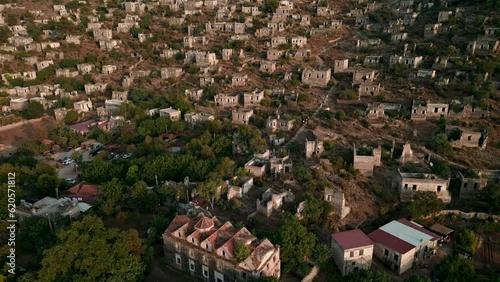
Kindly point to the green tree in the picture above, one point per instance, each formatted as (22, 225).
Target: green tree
(303, 174)
(467, 241)
(35, 235)
(423, 204)
(490, 194)
(112, 193)
(33, 110)
(297, 244)
(88, 251)
(71, 117)
(209, 190)
(367, 275)
(457, 269)
(441, 144)
(5, 34)
(418, 278)
(441, 169)
(315, 211)
(142, 198)
(322, 254)
(241, 252)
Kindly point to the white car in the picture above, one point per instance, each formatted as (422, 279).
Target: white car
(71, 180)
(68, 161)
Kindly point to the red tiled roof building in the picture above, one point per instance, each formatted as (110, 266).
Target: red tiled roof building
(205, 248)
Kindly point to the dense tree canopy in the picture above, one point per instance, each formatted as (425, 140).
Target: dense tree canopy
(457, 269)
(367, 275)
(88, 251)
(297, 244)
(423, 204)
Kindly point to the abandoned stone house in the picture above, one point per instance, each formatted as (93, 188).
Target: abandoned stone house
(267, 66)
(302, 54)
(119, 95)
(467, 111)
(60, 114)
(224, 100)
(227, 54)
(423, 110)
(411, 62)
(409, 183)
(366, 158)
(316, 78)
(102, 34)
(274, 54)
(112, 105)
(194, 94)
(126, 26)
(280, 165)
(337, 200)
(298, 41)
(431, 30)
(172, 114)
(171, 72)
(84, 68)
(108, 45)
(276, 26)
(363, 76)
(18, 104)
(252, 99)
(274, 123)
(135, 7)
(277, 41)
(194, 118)
(482, 47)
(444, 16)
(470, 185)
(465, 137)
(264, 32)
(91, 26)
(239, 80)
(341, 66)
(43, 64)
(426, 73)
(205, 248)
(258, 164)
(254, 10)
(20, 41)
(92, 88)
(231, 27)
(83, 106)
(108, 69)
(273, 200)
(375, 110)
(242, 116)
(174, 21)
(440, 63)
(372, 61)
(194, 41)
(314, 148)
(399, 37)
(369, 89)
(241, 187)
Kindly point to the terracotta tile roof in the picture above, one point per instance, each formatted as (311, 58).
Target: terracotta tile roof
(221, 237)
(352, 239)
(204, 223)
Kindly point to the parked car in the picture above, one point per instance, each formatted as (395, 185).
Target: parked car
(62, 160)
(68, 161)
(127, 155)
(117, 156)
(71, 180)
